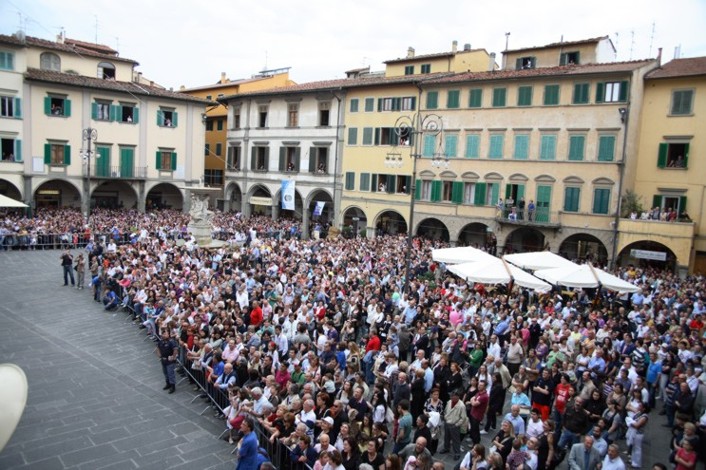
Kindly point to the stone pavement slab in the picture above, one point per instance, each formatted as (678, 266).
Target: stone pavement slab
(95, 386)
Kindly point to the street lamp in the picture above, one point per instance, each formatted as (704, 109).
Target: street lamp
(89, 135)
(414, 127)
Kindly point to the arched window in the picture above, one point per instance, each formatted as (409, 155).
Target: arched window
(50, 61)
(106, 70)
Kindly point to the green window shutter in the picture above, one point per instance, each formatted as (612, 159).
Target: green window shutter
(662, 155)
(350, 181)
(135, 115)
(606, 148)
(475, 98)
(562, 59)
(17, 111)
(429, 146)
(551, 95)
(457, 192)
(472, 146)
(47, 154)
(369, 105)
(365, 181)
(114, 112)
(518, 64)
(67, 155)
(479, 197)
(496, 146)
(508, 190)
(547, 150)
(686, 155)
(580, 93)
(524, 96)
(18, 150)
(379, 104)
(452, 101)
(312, 159)
(571, 199)
(174, 161)
(374, 183)
(413, 104)
(494, 191)
(391, 184)
(354, 105)
(353, 136)
(499, 97)
(67, 107)
(158, 160)
(436, 191)
(520, 191)
(656, 200)
(297, 158)
(367, 136)
(624, 89)
(160, 117)
(175, 118)
(576, 147)
(521, 147)
(418, 190)
(47, 105)
(282, 150)
(94, 111)
(600, 92)
(451, 145)
(396, 104)
(432, 99)
(682, 205)
(601, 201)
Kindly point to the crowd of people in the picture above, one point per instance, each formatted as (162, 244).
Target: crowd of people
(317, 345)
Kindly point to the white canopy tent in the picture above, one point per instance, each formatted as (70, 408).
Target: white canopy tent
(494, 270)
(584, 275)
(459, 254)
(9, 202)
(535, 260)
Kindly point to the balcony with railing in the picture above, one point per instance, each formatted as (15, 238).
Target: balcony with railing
(117, 172)
(540, 217)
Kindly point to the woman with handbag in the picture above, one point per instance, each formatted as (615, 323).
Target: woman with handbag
(502, 444)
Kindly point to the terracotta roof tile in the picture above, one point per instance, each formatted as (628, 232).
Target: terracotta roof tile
(109, 85)
(559, 44)
(564, 70)
(335, 84)
(687, 67)
(72, 47)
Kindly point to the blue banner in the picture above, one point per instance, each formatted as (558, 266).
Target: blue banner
(288, 195)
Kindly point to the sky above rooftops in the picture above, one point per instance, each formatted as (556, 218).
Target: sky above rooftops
(190, 43)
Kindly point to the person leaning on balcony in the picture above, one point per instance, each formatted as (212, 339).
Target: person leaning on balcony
(530, 210)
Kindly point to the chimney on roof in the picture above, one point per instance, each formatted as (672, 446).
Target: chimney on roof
(454, 46)
(61, 36)
(467, 47)
(410, 52)
(659, 57)
(491, 62)
(223, 78)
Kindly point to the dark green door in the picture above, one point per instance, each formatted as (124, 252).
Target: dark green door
(544, 198)
(103, 161)
(127, 161)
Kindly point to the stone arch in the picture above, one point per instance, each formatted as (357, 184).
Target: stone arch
(114, 194)
(7, 188)
(524, 239)
(390, 222)
(475, 234)
(320, 195)
(355, 222)
(649, 253)
(164, 196)
(259, 200)
(57, 193)
(234, 196)
(433, 229)
(584, 247)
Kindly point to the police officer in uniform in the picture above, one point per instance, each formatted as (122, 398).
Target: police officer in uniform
(167, 350)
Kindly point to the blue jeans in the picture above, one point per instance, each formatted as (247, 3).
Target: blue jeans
(567, 438)
(168, 371)
(68, 273)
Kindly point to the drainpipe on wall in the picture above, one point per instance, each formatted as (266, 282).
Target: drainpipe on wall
(625, 118)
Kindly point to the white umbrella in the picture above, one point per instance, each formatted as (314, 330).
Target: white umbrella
(534, 260)
(459, 254)
(584, 275)
(494, 270)
(9, 202)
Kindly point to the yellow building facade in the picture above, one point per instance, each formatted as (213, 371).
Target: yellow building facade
(669, 180)
(216, 136)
